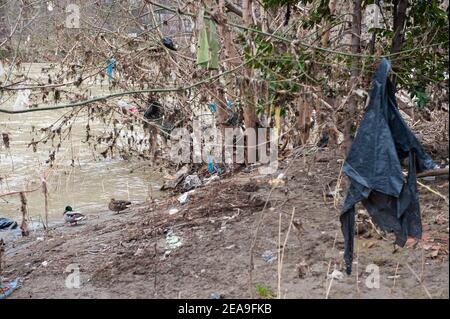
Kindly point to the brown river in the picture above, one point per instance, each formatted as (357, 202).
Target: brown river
(87, 186)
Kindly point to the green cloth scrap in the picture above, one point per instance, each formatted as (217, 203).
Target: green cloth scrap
(208, 46)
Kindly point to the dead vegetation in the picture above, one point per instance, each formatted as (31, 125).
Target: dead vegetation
(272, 73)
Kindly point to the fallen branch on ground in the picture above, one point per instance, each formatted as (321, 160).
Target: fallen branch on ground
(434, 172)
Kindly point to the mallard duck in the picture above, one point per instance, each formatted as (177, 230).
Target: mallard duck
(72, 217)
(118, 205)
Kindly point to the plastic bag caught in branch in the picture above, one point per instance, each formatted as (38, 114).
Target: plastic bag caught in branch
(22, 99)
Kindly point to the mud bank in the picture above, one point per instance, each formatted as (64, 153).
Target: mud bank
(163, 249)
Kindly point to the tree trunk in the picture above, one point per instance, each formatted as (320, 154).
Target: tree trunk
(400, 7)
(247, 87)
(326, 33)
(355, 49)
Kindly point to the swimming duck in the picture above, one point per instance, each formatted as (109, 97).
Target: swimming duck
(118, 205)
(72, 217)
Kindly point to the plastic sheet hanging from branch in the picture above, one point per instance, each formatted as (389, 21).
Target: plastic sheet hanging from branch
(208, 46)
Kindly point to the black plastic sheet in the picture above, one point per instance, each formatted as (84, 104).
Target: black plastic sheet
(7, 224)
(373, 165)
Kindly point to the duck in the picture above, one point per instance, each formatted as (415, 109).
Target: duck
(118, 205)
(72, 217)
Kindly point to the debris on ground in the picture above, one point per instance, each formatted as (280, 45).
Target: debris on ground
(216, 295)
(191, 181)
(168, 43)
(302, 269)
(172, 181)
(7, 289)
(116, 258)
(211, 179)
(6, 224)
(268, 256)
(172, 241)
(127, 107)
(336, 275)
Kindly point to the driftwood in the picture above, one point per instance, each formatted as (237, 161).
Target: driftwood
(434, 172)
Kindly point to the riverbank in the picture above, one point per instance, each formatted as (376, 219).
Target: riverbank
(163, 249)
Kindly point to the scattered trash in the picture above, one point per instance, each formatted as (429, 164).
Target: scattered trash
(429, 178)
(168, 43)
(394, 277)
(333, 194)
(2, 70)
(192, 181)
(153, 111)
(336, 275)
(39, 238)
(211, 179)
(233, 119)
(7, 289)
(230, 247)
(123, 104)
(216, 295)
(22, 99)
(126, 106)
(268, 256)
(210, 165)
(50, 6)
(212, 107)
(173, 211)
(230, 104)
(110, 68)
(173, 181)
(361, 93)
(183, 199)
(373, 165)
(44, 263)
(7, 224)
(212, 168)
(172, 242)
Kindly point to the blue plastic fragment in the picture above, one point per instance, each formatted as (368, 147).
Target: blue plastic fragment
(7, 289)
(230, 104)
(213, 107)
(212, 168)
(110, 68)
(168, 43)
(210, 165)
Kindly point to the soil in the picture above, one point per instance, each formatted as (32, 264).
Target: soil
(127, 255)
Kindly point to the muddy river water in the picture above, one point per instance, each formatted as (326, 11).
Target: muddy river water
(87, 186)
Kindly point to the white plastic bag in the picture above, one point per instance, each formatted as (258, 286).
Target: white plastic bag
(22, 99)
